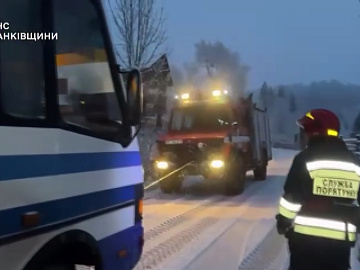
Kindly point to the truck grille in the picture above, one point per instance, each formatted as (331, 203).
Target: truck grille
(187, 152)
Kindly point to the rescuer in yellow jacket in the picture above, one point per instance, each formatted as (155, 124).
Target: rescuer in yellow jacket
(319, 211)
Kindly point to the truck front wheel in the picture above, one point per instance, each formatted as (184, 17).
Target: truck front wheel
(235, 177)
(260, 173)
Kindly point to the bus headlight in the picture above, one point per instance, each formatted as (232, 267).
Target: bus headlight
(162, 165)
(216, 164)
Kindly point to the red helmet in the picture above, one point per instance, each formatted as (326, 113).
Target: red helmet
(320, 122)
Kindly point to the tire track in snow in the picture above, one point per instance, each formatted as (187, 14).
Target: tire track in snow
(230, 223)
(176, 239)
(183, 216)
(220, 231)
(155, 256)
(172, 207)
(270, 254)
(177, 220)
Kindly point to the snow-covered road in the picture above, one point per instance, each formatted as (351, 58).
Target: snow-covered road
(197, 231)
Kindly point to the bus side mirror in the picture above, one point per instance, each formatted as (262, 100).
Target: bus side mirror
(134, 96)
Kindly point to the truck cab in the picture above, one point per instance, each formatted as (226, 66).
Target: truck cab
(215, 137)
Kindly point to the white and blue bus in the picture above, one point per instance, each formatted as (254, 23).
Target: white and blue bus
(71, 179)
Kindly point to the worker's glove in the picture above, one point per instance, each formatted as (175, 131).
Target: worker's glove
(283, 224)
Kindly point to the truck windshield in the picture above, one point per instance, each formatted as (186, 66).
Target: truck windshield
(200, 118)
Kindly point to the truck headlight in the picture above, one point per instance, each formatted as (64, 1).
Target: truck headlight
(162, 165)
(216, 164)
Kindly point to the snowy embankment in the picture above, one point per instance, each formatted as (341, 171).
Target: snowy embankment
(204, 231)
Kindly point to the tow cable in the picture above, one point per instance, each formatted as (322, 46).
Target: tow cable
(166, 176)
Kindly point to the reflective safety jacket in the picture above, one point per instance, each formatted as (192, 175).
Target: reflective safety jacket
(321, 193)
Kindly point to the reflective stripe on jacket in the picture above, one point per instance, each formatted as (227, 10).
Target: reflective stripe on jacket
(327, 228)
(289, 209)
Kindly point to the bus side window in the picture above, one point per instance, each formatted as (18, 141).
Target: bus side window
(21, 67)
(86, 92)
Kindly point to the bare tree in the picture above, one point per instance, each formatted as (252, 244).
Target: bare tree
(220, 62)
(141, 28)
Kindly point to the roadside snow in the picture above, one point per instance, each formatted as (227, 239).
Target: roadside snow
(283, 154)
(282, 160)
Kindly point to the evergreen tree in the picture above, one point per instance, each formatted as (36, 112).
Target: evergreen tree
(293, 105)
(343, 121)
(264, 94)
(356, 126)
(281, 92)
(270, 97)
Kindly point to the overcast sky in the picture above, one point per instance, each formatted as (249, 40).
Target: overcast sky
(283, 41)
